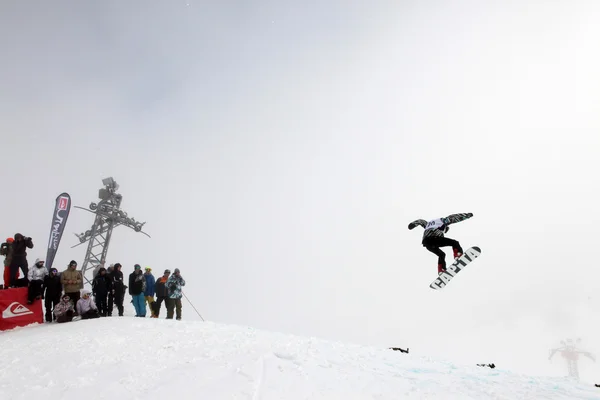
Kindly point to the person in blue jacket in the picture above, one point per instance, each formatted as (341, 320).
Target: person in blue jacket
(150, 290)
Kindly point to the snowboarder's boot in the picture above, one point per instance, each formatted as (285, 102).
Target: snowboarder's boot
(441, 268)
(457, 253)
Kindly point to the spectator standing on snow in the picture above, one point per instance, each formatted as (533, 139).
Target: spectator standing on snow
(174, 287)
(72, 281)
(53, 290)
(162, 293)
(96, 270)
(19, 257)
(149, 292)
(86, 306)
(137, 285)
(64, 310)
(6, 250)
(109, 276)
(36, 277)
(101, 285)
(118, 288)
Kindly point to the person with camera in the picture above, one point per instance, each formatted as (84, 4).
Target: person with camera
(19, 258)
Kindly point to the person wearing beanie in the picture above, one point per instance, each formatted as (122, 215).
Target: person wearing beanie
(149, 292)
(64, 310)
(19, 257)
(110, 304)
(72, 282)
(137, 286)
(101, 285)
(36, 277)
(53, 290)
(161, 292)
(174, 288)
(118, 288)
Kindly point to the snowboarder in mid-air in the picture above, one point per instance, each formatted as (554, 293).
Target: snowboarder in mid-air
(433, 237)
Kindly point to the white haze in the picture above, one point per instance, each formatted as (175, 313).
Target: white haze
(278, 150)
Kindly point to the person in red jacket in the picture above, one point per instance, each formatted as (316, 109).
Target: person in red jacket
(6, 250)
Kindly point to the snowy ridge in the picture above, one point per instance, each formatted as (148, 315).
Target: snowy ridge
(131, 358)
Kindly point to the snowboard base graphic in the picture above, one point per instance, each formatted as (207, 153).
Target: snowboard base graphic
(458, 265)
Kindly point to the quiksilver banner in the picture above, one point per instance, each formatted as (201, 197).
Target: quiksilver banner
(59, 220)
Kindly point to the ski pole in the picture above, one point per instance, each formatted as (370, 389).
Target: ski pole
(192, 306)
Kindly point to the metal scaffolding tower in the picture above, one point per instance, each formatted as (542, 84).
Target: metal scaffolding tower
(571, 353)
(108, 216)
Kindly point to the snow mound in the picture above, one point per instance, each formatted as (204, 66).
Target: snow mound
(131, 358)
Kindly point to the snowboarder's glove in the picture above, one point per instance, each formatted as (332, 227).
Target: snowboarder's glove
(411, 226)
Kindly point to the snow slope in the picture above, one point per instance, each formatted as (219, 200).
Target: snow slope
(131, 358)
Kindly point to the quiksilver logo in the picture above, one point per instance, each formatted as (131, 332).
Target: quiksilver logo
(15, 309)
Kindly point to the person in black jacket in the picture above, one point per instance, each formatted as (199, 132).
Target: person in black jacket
(433, 236)
(101, 285)
(111, 304)
(118, 288)
(19, 257)
(53, 291)
(137, 286)
(161, 292)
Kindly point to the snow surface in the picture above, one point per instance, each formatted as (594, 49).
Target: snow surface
(134, 358)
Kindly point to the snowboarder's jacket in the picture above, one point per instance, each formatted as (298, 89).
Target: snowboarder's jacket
(439, 226)
(53, 286)
(161, 288)
(20, 245)
(39, 273)
(150, 284)
(137, 283)
(62, 307)
(85, 304)
(174, 284)
(74, 276)
(101, 284)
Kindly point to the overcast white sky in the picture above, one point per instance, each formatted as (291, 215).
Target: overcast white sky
(278, 151)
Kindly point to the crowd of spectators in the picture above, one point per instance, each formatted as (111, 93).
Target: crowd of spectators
(65, 297)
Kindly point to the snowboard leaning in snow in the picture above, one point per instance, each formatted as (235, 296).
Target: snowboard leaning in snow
(458, 265)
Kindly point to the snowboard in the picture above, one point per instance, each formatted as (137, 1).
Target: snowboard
(458, 265)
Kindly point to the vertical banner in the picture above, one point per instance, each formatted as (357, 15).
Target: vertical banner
(59, 220)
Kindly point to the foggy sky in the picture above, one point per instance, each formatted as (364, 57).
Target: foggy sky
(278, 151)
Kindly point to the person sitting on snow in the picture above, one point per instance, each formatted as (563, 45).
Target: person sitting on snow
(36, 276)
(86, 307)
(64, 311)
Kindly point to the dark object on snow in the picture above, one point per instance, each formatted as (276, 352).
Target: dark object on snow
(492, 365)
(597, 385)
(21, 282)
(399, 349)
